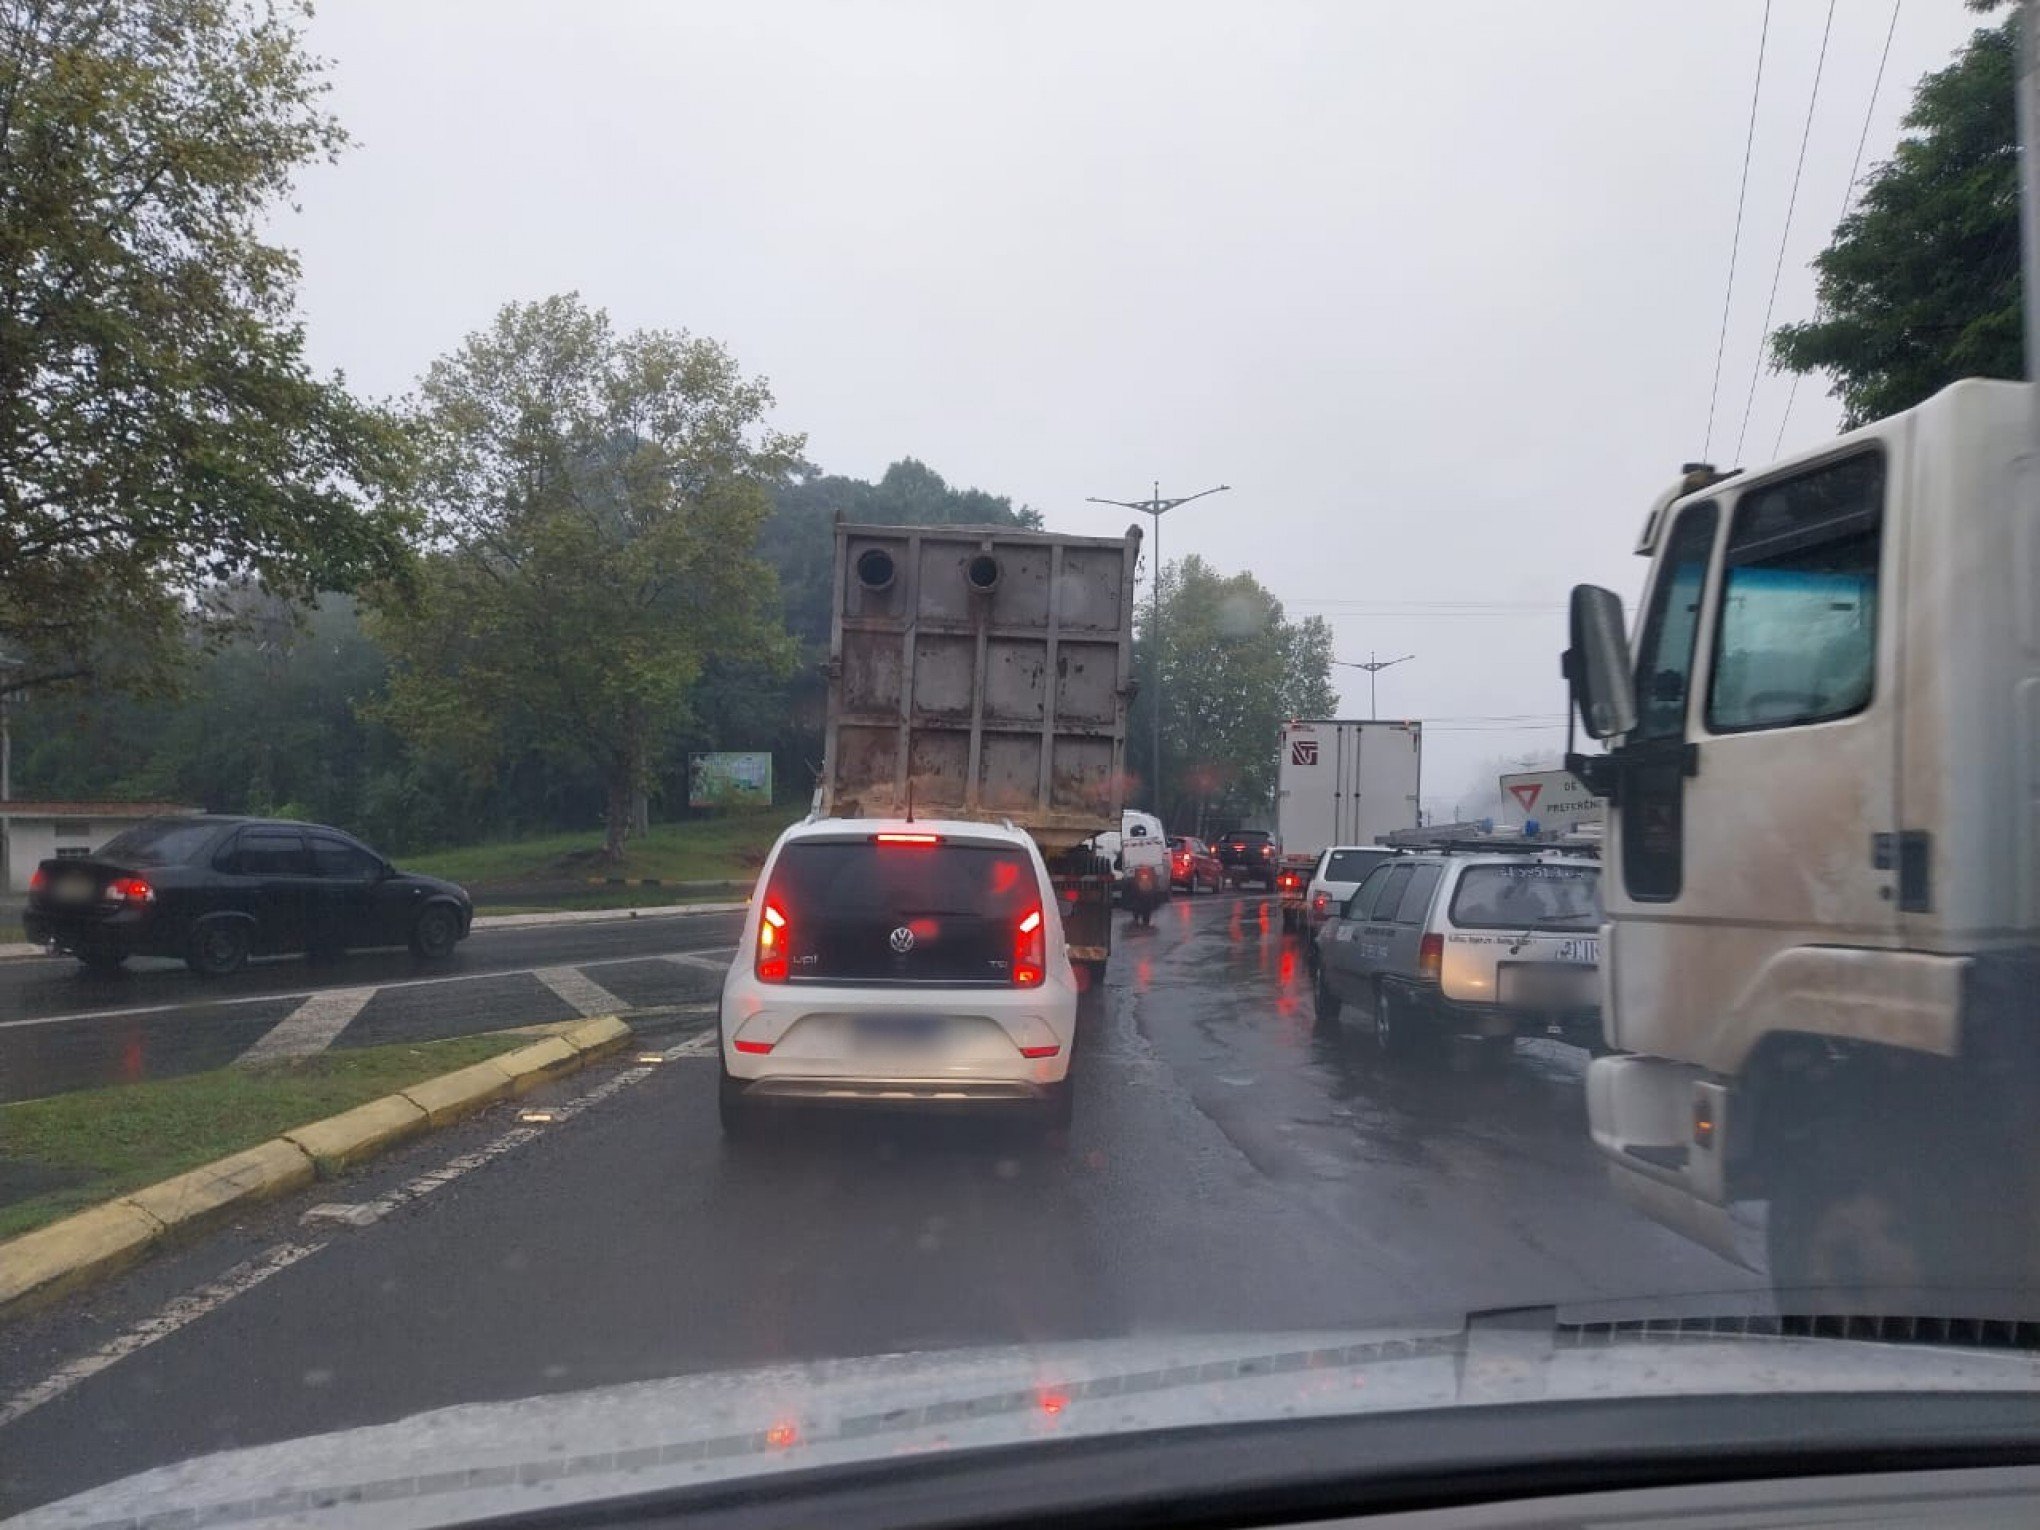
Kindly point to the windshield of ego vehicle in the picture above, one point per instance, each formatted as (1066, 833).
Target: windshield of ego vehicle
(158, 844)
(1539, 895)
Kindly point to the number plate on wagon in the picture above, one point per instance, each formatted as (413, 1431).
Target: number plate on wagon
(1548, 985)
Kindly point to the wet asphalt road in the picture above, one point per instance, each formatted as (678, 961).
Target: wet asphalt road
(63, 1028)
(1233, 1167)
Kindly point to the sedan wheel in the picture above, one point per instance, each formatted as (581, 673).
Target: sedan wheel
(218, 947)
(435, 933)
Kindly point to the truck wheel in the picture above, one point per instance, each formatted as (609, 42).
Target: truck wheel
(1862, 1220)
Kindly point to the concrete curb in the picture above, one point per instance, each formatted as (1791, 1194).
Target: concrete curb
(52, 1261)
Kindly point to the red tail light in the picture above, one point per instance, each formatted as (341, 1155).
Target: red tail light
(755, 1048)
(1030, 951)
(37, 880)
(1320, 903)
(773, 934)
(130, 890)
(907, 839)
(1430, 955)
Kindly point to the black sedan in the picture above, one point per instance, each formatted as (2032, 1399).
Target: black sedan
(215, 891)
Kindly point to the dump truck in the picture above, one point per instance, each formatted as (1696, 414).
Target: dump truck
(984, 672)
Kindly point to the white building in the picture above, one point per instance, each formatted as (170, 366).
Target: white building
(33, 831)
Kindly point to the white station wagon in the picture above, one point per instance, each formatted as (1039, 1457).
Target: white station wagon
(1493, 944)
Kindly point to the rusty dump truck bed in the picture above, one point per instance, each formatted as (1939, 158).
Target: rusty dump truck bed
(983, 670)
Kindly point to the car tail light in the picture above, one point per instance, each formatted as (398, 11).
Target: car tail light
(1321, 903)
(129, 890)
(1030, 951)
(1039, 1051)
(907, 839)
(773, 934)
(1430, 955)
(1289, 880)
(754, 1048)
(1267, 849)
(37, 880)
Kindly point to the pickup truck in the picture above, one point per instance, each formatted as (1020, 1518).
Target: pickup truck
(1249, 855)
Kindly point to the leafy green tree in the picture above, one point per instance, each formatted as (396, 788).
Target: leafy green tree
(1920, 285)
(1234, 668)
(160, 432)
(594, 501)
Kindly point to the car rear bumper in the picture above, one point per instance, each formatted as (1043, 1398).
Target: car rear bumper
(124, 930)
(976, 1055)
(1582, 1027)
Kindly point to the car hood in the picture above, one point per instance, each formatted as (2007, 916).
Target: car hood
(461, 1463)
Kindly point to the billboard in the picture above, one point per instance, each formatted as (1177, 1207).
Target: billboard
(1554, 799)
(735, 778)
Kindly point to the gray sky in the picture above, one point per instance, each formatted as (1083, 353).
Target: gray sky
(1437, 289)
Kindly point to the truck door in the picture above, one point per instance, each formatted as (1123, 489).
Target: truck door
(1762, 768)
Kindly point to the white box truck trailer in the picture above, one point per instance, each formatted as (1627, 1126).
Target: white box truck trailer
(1341, 783)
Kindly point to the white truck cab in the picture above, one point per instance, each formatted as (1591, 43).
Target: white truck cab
(1822, 949)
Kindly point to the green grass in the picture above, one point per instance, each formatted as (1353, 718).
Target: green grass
(701, 850)
(106, 1142)
(599, 897)
(12, 935)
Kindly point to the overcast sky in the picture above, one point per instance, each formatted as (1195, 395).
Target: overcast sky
(1437, 289)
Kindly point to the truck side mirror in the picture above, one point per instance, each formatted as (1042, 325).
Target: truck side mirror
(1597, 668)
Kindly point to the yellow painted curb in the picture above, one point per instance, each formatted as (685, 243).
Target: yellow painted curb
(539, 1063)
(44, 1264)
(339, 1142)
(597, 1037)
(454, 1096)
(54, 1260)
(261, 1173)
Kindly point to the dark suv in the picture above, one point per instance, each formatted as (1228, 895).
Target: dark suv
(1249, 855)
(215, 891)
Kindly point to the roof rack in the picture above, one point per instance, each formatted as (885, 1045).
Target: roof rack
(1485, 839)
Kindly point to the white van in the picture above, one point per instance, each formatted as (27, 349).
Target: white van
(1139, 857)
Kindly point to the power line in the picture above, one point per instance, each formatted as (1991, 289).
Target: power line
(1791, 201)
(1734, 245)
(1848, 191)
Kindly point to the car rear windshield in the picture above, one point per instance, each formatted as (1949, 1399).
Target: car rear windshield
(1534, 895)
(870, 912)
(1351, 865)
(158, 844)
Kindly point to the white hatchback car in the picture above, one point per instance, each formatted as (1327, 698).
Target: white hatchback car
(892, 962)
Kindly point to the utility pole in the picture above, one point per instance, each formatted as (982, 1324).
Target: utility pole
(1374, 667)
(1156, 506)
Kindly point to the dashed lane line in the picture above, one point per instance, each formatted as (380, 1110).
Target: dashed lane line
(312, 1027)
(177, 1313)
(181, 1311)
(581, 991)
(285, 998)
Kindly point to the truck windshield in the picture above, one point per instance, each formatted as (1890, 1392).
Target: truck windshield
(1535, 895)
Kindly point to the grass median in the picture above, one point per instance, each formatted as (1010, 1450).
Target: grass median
(62, 1154)
(732, 846)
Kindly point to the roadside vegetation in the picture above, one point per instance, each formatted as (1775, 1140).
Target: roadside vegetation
(75, 1150)
(570, 870)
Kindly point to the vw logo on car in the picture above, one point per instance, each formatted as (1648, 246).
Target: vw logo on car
(903, 940)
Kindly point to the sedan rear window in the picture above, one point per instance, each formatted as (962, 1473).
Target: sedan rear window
(1351, 865)
(164, 843)
(1534, 895)
(861, 911)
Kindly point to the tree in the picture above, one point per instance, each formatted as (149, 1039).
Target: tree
(159, 430)
(593, 504)
(1234, 668)
(1921, 285)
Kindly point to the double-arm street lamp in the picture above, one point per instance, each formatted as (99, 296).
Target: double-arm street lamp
(1156, 506)
(1374, 667)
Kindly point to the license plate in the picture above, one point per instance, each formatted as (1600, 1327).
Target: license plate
(1584, 949)
(1548, 985)
(896, 1033)
(73, 889)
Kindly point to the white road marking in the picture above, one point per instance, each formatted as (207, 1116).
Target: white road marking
(200, 1002)
(312, 1027)
(580, 990)
(173, 1315)
(183, 1310)
(703, 1045)
(717, 962)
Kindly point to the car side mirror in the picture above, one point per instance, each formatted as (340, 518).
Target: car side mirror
(1597, 666)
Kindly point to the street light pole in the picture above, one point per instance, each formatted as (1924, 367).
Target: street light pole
(1374, 667)
(1156, 506)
